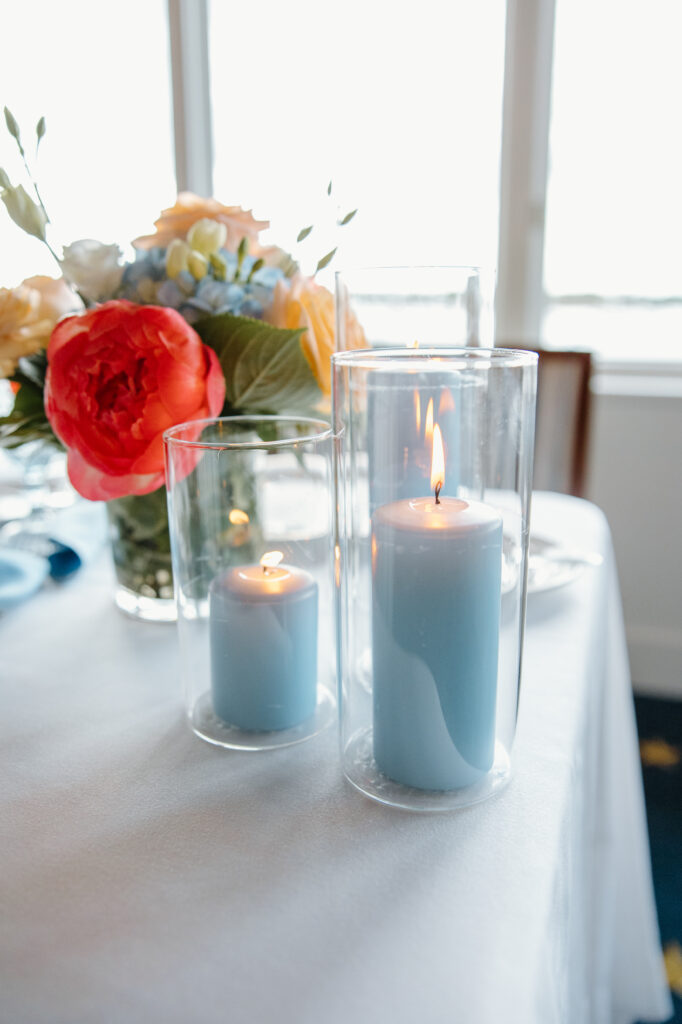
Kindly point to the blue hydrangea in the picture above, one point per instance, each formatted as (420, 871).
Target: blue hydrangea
(145, 281)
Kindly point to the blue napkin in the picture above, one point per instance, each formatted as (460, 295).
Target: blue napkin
(28, 555)
(21, 574)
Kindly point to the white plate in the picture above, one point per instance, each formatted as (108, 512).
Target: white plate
(550, 565)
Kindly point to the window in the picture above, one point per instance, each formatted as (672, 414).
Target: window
(99, 74)
(402, 110)
(613, 262)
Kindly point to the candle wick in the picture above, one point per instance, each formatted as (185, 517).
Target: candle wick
(438, 487)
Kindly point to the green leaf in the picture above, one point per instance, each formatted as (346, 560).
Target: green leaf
(4, 180)
(16, 430)
(265, 368)
(325, 261)
(258, 265)
(141, 517)
(40, 131)
(242, 250)
(29, 400)
(30, 217)
(303, 233)
(32, 369)
(12, 126)
(347, 218)
(219, 266)
(329, 189)
(27, 420)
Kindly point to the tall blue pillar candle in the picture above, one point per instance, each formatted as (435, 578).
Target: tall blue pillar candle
(436, 593)
(401, 409)
(263, 639)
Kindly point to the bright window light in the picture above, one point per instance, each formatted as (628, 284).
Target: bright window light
(99, 74)
(399, 107)
(614, 217)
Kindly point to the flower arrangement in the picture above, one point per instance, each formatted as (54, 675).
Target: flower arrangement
(203, 321)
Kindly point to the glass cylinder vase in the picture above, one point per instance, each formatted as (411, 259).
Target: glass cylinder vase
(140, 545)
(451, 306)
(433, 463)
(249, 503)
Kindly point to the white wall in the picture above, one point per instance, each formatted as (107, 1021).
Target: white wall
(635, 476)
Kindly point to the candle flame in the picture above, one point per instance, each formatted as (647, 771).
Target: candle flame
(447, 402)
(238, 518)
(417, 410)
(415, 344)
(428, 427)
(437, 462)
(271, 560)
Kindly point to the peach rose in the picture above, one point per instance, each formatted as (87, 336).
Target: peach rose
(304, 303)
(28, 314)
(176, 221)
(57, 298)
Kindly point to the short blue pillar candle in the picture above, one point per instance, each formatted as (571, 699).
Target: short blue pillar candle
(263, 639)
(436, 594)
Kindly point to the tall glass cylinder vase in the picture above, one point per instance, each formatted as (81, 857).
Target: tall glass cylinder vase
(249, 502)
(433, 464)
(429, 306)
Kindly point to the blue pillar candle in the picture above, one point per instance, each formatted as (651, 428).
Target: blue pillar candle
(401, 410)
(436, 593)
(263, 639)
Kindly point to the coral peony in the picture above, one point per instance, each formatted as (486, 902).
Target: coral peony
(118, 376)
(176, 221)
(308, 304)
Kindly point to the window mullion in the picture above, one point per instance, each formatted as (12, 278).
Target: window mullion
(189, 59)
(523, 169)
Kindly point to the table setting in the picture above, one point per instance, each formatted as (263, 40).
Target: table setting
(151, 873)
(313, 711)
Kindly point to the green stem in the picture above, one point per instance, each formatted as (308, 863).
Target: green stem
(47, 216)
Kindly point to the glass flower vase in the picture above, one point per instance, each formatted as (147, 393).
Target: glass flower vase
(138, 529)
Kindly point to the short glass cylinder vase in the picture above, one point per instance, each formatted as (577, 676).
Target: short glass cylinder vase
(140, 546)
(249, 502)
(433, 464)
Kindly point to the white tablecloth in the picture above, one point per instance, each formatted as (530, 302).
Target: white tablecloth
(146, 876)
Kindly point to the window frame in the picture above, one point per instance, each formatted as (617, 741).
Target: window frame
(529, 52)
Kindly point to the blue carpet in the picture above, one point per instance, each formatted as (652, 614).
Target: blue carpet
(659, 723)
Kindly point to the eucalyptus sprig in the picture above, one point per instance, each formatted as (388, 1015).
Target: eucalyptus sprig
(341, 222)
(29, 215)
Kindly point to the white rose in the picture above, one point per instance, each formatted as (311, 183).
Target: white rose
(93, 268)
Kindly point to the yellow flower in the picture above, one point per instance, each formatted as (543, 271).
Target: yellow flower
(307, 304)
(176, 221)
(207, 236)
(177, 255)
(197, 264)
(27, 315)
